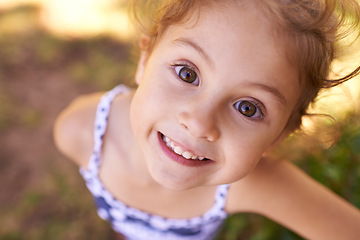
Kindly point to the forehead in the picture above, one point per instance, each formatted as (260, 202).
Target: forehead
(238, 42)
(236, 24)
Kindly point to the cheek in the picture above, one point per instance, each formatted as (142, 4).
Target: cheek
(245, 150)
(239, 168)
(135, 116)
(145, 107)
(139, 111)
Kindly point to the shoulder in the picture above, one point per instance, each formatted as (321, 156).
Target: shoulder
(273, 188)
(282, 192)
(73, 128)
(269, 179)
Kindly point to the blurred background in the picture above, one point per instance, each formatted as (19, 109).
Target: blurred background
(54, 50)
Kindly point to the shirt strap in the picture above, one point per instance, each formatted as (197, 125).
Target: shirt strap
(101, 119)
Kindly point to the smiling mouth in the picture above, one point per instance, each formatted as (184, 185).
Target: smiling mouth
(180, 151)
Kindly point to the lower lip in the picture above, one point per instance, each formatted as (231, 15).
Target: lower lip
(180, 159)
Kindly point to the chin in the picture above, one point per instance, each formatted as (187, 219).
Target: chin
(171, 183)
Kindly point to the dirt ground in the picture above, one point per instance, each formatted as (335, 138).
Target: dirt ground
(42, 195)
(41, 192)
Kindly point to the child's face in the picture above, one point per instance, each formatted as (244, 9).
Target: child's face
(220, 88)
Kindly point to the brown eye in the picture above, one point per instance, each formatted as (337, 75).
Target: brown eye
(246, 108)
(186, 74)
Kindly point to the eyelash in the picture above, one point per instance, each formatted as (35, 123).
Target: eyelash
(259, 107)
(189, 66)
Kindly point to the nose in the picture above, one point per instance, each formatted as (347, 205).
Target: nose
(200, 121)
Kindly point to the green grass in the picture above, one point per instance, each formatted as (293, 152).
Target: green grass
(54, 203)
(338, 168)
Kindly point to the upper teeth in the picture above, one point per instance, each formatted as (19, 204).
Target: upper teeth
(178, 150)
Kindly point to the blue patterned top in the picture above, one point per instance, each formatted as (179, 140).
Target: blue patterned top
(133, 223)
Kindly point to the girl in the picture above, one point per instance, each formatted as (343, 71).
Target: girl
(220, 83)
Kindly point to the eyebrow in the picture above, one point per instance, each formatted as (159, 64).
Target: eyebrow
(188, 42)
(272, 90)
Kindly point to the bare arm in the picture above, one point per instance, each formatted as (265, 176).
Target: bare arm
(282, 192)
(73, 129)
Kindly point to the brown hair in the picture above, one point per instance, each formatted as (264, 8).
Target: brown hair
(312, 29)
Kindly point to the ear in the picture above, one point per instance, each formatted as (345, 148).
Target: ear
(143, 44)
